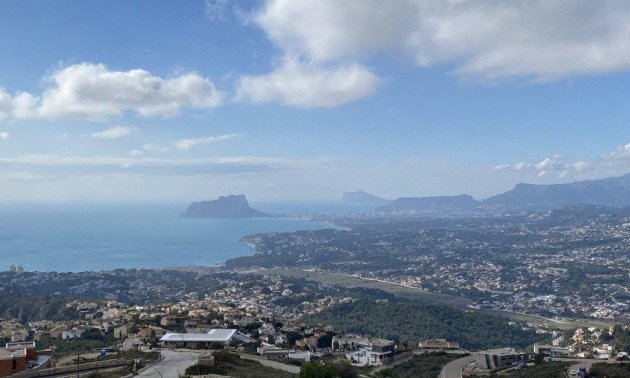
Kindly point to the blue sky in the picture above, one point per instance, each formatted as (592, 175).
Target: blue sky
(296, 100)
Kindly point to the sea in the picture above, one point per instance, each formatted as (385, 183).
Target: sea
(94, 237)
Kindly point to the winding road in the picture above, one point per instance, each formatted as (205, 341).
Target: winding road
(454, 368)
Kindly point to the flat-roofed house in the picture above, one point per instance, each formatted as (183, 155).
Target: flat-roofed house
(438, 344)
(498, 358)
(198, 340)
(17, 357)
(12, 362)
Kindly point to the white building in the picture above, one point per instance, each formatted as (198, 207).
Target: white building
(198, 340)
(266, 329)
(73, 333)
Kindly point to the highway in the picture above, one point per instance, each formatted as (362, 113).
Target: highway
(454, 368)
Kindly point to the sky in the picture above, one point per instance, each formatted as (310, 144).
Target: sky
(284, 100)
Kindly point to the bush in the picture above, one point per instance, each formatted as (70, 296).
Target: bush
(199, 369)
(225, 356)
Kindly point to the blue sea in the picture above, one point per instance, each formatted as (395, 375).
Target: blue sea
(72, 238)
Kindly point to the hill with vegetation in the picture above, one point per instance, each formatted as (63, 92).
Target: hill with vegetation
(411, 322)
(27, 308)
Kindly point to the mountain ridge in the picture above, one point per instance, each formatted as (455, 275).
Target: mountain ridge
(362, 198)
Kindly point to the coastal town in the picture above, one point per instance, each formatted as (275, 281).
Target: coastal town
(263, 319)
(568, 262)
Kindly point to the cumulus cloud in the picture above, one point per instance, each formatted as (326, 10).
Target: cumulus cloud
(187, 144)
(94, 92)
(487, 39)
(4, 136)
(306, 85)
(112, 133)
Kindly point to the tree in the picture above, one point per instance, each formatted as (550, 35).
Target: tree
(345, 370)
(324, 341)
(539, 359)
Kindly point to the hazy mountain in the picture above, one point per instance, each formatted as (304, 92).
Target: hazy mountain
(440, 204)
(362, 198)
(233, 206)
(613, 192)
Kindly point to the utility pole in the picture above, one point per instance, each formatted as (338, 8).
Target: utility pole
(78, 360)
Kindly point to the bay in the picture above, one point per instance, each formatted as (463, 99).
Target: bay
(72, 238)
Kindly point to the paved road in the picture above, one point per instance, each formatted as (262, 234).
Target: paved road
(173, 365)
(582, 364)
(454, 368)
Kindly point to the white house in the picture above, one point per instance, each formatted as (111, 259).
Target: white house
(267, 329)
(73, 333)
(198, 340)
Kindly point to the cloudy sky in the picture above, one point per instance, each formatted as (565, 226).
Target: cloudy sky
(294, 100)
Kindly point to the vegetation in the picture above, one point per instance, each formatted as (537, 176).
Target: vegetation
(545, 370)
(27, 308)
(423, 366)
(316, 369)
(414, 321)
(604, 370)
(231, 364)
(110, 374)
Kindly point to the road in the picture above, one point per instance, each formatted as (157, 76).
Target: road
(454, 368)
(173, 365)
(582, 364)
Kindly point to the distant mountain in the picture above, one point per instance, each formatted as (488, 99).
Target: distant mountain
(440, 204)
(612, 192)
(233, 206)
(362, 198)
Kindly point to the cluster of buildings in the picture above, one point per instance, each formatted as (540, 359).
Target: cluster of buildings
(543, 264)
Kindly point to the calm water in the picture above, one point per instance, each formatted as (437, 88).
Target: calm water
(79, 238)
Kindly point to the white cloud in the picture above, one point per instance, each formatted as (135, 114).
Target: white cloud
(6, 104)
(112, 133)
(4, 135)
(135, 153)
(150, 147)
(485, 39)
(580, 166)
(94, 92)
(306, 85)
(187, 144)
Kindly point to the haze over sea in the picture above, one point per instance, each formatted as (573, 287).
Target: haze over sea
(72, 238)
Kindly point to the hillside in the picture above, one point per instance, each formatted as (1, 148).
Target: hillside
(362, 198)
(439, 204)
(612, 192)
(414, 321)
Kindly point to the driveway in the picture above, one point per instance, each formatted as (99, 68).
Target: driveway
(454, 368)
(173, 365)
